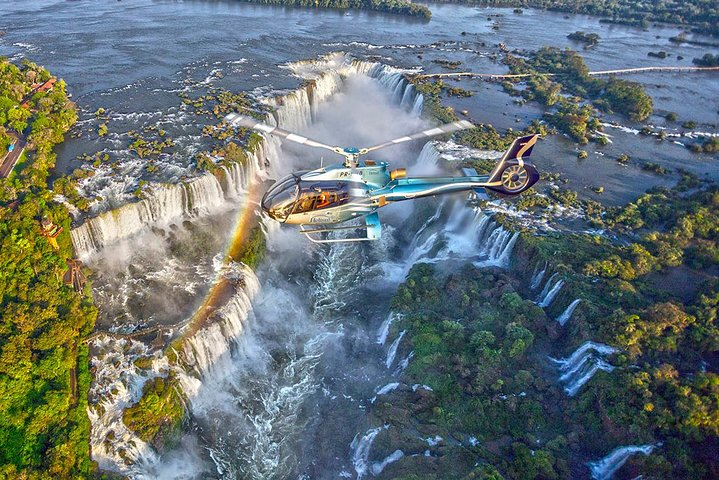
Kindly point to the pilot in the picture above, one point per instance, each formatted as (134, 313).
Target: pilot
(323, 200)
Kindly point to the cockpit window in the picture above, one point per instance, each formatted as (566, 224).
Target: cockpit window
(321, 195)
(280, 199)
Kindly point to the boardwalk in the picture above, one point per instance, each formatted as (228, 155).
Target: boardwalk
(621, 71)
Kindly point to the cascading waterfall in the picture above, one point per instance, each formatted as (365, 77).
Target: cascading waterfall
(384, 328)
(204, 354)
(294, 111)
(546, 288)
(567, 313)
(392, 352)
(207, 346)
(582, 364)
(166, 204)
(606, 467)
(549, 292)
(537, 277)
(118, 385)
(377, 467)
(498, 248)
(360, 448)
(403, 92)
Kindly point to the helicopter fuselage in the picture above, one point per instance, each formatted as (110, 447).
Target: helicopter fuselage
(336, 194)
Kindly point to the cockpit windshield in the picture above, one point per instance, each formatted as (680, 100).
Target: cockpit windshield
(280, 199)
(292, 195)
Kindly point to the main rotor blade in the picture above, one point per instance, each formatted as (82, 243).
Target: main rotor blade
(432, 132)
(242, 121)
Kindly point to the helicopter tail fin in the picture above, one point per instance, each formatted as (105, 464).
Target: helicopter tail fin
(512, 175)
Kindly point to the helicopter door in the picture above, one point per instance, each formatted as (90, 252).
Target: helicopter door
(320, 196)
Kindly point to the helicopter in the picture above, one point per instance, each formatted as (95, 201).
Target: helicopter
(320, 200)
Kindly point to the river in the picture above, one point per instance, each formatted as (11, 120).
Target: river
(289, 395)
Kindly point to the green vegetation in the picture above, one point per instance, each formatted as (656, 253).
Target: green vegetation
(588, 39)
(710, 145)
(654, 300)
(661, 54)
(158, 416)
(570, 88)
(483, 137)
(702, 15)
(144, 147)
(44, 367)
(458, 92)
(472, 337)
(708, 60)
(253, 249)
(481, 348)
(448, 64)
(401, 7)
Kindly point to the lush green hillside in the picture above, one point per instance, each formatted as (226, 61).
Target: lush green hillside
(495, 402)
(44, 371)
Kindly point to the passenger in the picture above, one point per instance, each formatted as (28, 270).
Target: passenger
(306, 203)
(323, 200)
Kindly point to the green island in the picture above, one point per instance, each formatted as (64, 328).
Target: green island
(701, 15)
(561, 83)
(588, 39)
(401, 7)
(44, 365)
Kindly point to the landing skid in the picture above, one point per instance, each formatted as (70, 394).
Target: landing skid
(372, 228)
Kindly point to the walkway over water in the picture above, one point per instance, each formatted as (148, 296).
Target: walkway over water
(622, 71)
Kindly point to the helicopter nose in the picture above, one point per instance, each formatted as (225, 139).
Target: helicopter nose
(267, 206)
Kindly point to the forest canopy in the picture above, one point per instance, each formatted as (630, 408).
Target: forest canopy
(44, 371)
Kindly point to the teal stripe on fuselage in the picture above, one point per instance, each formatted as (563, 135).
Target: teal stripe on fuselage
(406, 188)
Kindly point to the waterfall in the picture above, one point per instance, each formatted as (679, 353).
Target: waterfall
(294, 111)
(393, 79)
(384, 328)
(165, 204)
(537, 277)
(360, 448)
(562, 319)
(204, 352)
(377, 467)
(427, 161)
(118, 385)
(549, 292)
(546, 288)
(208, 345)
(605, 468)
(498, 248)
(384, 390)
(582, 364)
(404, 363)
(393, 349)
